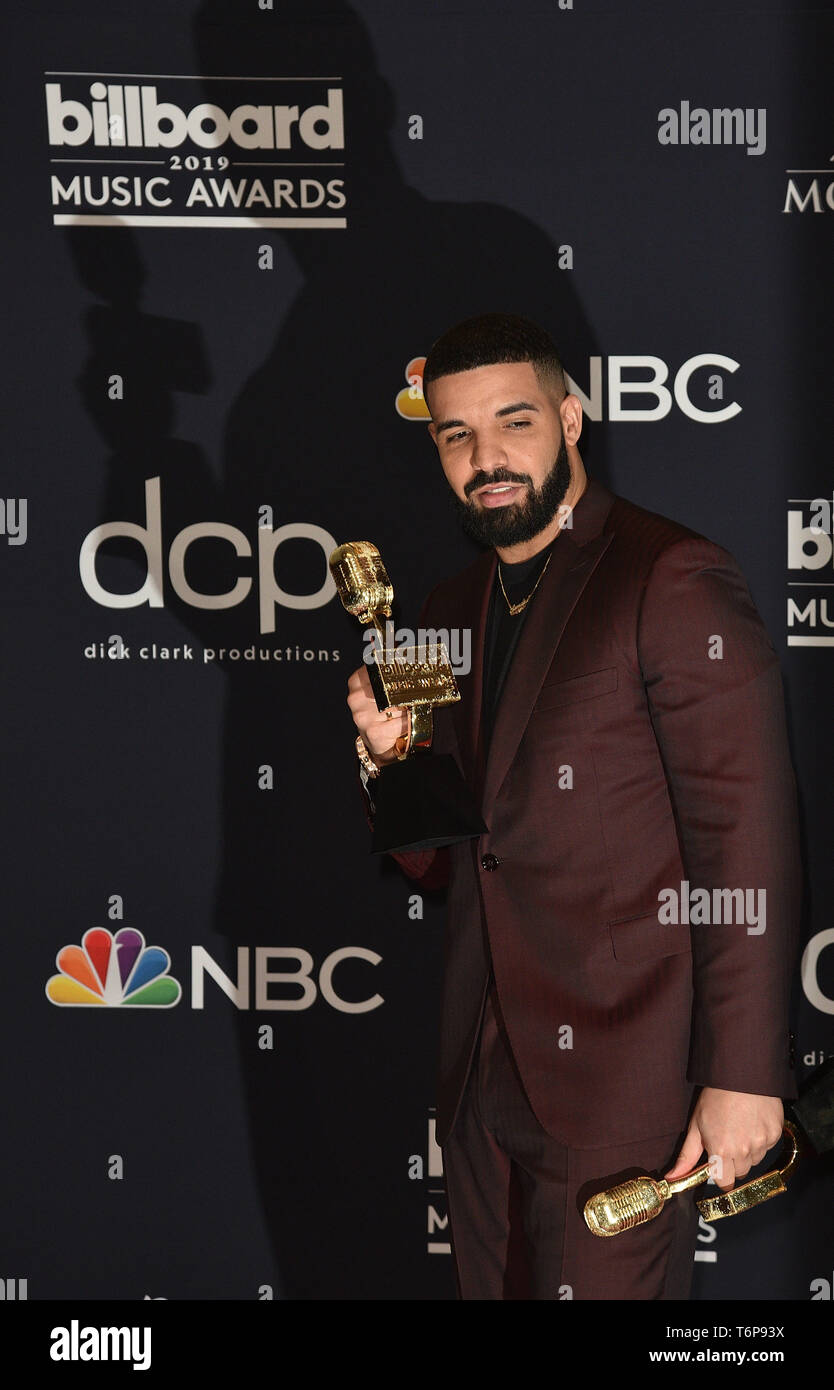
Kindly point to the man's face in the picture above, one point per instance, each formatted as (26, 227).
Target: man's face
(502, 449)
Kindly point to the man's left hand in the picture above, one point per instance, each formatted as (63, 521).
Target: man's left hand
(734, 1129)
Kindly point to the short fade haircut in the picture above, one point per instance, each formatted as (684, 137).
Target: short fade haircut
(486, 339)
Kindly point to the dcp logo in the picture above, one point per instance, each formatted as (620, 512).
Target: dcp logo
(149, 537)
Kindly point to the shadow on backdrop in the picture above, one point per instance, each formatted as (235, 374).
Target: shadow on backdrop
(313, 432)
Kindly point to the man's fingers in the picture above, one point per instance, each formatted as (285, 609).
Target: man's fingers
(726, 1169)
(379, 730)
(359, 680)
(723, 1172)
(385, 732)
(739, 1163)
(745, 1159)
(736, 1131)
(689, 1155)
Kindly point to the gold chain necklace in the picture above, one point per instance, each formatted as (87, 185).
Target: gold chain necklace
(517, 607)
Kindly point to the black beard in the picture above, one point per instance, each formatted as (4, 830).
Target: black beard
(518, 521)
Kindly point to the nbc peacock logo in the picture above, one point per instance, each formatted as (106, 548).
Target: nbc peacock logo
(115, 971)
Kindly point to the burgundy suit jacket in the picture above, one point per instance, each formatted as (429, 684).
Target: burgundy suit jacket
(627, 758)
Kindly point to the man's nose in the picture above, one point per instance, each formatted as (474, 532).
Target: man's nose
(487, 455)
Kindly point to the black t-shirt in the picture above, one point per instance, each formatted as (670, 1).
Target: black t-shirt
(502, 633)
(503, 629)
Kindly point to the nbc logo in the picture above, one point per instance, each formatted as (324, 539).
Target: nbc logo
(410, 403)
(115, 971)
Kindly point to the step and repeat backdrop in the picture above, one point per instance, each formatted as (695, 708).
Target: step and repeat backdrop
(234, 231)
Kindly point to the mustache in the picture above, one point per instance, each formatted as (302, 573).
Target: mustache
(503, 475)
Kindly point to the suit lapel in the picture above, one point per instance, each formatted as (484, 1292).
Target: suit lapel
(472, 614)
(576, 554)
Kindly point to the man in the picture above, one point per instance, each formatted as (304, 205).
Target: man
(622, 728)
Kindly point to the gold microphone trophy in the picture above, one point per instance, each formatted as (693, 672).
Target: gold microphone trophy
(638, 1200)
(421, 800)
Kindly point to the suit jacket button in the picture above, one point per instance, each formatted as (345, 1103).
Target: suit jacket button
(489, 862)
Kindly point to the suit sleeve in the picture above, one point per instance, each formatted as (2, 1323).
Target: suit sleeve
(714, 689)
(428, 867)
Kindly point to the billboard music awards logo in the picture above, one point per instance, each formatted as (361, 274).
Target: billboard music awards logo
(810, 190)
(429, 1170)
(152, 150)
(811, 551)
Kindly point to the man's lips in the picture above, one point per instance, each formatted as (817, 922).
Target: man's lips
(499, 494)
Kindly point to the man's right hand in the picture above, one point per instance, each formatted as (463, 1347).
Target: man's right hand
(378, 732)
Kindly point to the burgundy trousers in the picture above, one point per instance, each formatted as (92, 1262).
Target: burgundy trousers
(515, 1198)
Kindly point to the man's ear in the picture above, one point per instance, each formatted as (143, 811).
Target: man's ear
(432, 430)
(570, 412)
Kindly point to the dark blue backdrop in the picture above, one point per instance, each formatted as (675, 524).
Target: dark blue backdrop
(259, 1138)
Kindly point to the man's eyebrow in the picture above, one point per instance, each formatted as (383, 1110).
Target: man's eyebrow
(505, 410)
(519, 405)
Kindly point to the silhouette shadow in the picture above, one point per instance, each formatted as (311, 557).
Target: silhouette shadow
(314, 434)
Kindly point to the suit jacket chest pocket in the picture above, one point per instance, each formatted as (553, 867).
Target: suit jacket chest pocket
(580, 691)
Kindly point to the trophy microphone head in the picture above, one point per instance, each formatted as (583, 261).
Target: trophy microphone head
(361, 580)
(628, 1204)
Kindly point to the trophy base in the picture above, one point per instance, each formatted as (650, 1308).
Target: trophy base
(423, 802)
